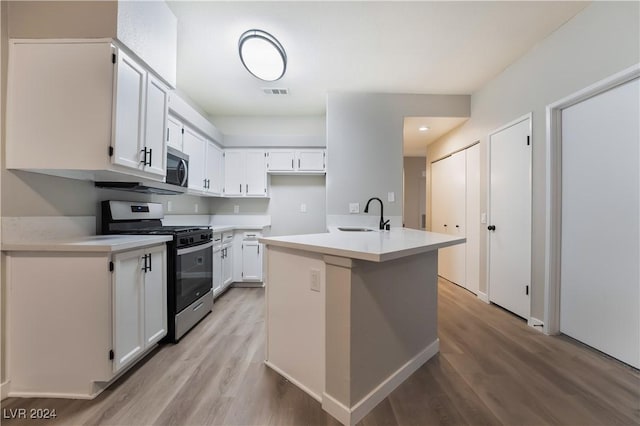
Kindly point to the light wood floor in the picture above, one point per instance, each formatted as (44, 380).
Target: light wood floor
(492, 369)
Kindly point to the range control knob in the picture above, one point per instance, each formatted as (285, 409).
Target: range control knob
(183, 241)
(190, 239)
(203, 236)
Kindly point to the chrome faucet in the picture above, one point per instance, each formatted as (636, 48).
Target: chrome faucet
(382, 221)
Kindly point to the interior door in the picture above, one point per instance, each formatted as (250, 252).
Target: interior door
(472, 246)
(510, 214)
(439, 208)
(600, 279)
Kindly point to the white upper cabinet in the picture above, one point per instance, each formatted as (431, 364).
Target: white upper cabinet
(311, 160)
(288, 161)
(83, 108)
(245, 173)
(174, 133)
(194, 146)
(214, 169)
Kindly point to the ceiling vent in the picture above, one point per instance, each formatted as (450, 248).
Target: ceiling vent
(272, 91)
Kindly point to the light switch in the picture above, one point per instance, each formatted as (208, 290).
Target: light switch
(483, 218)
(303, 208)
(236, 208)
(391, 197)
(354, 208)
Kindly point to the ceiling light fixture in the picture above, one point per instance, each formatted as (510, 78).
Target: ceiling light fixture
(423, 128)
(262, 55)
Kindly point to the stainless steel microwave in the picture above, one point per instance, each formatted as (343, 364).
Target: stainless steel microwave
(177, 167)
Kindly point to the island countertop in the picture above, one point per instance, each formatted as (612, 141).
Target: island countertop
(374, 246)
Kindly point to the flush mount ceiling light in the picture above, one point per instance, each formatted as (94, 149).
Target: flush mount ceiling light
(423, 128)
(262, 55)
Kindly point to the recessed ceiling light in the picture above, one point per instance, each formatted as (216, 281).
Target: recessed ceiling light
(262, 55)
(423, 128)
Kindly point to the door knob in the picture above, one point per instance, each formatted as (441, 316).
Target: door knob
(491, 227)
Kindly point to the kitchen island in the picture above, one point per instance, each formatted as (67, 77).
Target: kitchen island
(351, 315)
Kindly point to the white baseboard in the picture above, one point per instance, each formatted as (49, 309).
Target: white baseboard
(483, 296)
(351, 416)
(536, 324)
(4, 389)
(311, 393)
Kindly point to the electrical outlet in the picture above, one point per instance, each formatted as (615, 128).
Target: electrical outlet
(354, 208)
(236, 208)
(391, 197)
(483, 218)
(195, 207)
(169, 206)
(315, 280)
(303, 208)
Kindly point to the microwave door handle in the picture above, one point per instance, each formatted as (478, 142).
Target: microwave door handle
(185, 167)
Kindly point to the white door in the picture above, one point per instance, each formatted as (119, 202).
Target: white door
(233, 173)
(510, 214)
(600, 282)
(217, 269)
(128, 332)
(156, 126)
(194, 147)
(174, 133)
(155, 295)
(311, 160)
(472, 246)
(129, 112)
(214, 168)
(255, 174)
(251, 261)
(448, 210)
(227, 265)
(281, 161)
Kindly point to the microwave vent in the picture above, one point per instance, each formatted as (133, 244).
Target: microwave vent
(275, 91)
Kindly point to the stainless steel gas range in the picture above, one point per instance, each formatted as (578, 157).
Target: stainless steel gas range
(189, 255)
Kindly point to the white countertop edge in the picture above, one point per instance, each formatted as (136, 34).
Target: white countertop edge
(222, 228)
(92, 244)
(360, 255)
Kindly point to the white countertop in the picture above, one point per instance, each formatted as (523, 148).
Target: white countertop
(375, 246)
(96, 243)
(222, 228)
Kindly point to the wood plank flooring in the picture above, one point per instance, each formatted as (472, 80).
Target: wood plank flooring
(492, 369)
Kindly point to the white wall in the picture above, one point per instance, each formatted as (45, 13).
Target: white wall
(274, 131)
(599, 41)
(364, 144)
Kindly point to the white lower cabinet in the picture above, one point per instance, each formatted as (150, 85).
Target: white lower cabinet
(251, 260)
(217, 264)
(79, 319)
(139, 302)
(227, 259)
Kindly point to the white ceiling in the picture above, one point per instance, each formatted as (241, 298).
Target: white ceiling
(361, 46)
(415, 141)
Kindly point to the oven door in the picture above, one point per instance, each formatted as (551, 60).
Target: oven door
(194, 274)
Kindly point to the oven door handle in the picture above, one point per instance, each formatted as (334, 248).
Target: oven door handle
(195, 248)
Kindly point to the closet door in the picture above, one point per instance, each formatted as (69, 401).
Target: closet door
(600, 279)
(448, 213)
(472, 246)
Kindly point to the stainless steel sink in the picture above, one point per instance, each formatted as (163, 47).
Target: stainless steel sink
(354, 229)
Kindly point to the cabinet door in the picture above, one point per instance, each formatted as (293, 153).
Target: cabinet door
(174, 133)
(129, 112)
(194, 147)
(281, 161)
(311, 161)
(128, 321)
(227, 265)
(213, 166)
(155, 295)
(255, 174)
(233, 173)
(157, 108)
(217, 271)
(251, 261)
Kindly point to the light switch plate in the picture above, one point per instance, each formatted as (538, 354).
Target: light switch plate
(483, 218)
(315, 280)
(391, 197)
(169, 206)
(236, 208)
(195, 208)
(354, 208)
(303, 208)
